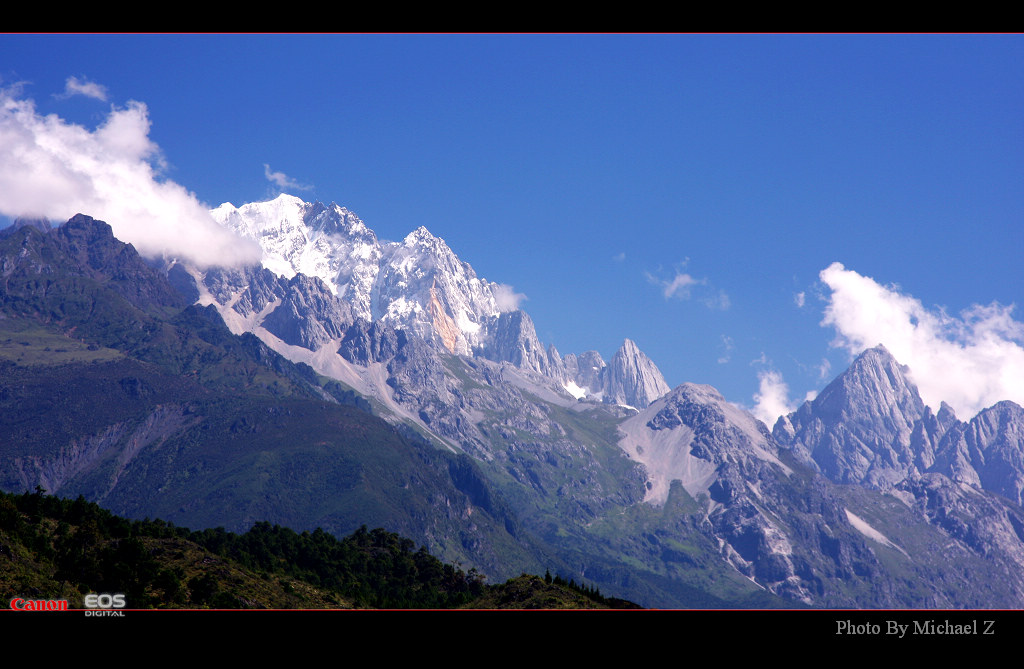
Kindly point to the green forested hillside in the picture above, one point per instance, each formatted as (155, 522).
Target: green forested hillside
(59, 548)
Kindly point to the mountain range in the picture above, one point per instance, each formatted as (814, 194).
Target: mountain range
(349, 381)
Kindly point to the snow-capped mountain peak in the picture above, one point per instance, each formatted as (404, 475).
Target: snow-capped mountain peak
(422, 237)
(418, 284)
(324, 241)
(424, 286)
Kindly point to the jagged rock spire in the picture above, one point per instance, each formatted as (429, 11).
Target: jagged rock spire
(632, 378)
(858, 429)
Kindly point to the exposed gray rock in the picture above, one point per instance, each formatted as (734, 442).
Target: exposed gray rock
(309, 315)
(513, 338)
(247, 290)
(364, 343)
(40, 224)
(859, 428)
(589, 366)
(183, 282)
(632, 378)
(870, 426)
(981, 521)
(556, 368)
(987, 452)
(415, 371)
(928, 432)
(326, 241)
(793, 533)
(571, 365)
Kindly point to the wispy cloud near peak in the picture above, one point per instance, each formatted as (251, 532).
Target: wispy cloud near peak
(506, 298)
(772, 398)
(282, 180)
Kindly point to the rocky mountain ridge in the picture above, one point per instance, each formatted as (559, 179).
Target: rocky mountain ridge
(861, 498)
(870, 427)
(418, 285)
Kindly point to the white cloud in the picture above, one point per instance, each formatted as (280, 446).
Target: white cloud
(90, 89)
(799, 299)
(971, 361)
(506, 298)
(619, 257)
(772, 398)
(679, 286)
(682, 286)
(719, 301)
(824, 368)
(727, 346)
(55, 169)
(282, 180)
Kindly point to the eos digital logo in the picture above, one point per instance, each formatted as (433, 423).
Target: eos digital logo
(104, 605)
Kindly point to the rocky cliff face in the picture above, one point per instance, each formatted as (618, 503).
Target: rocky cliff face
(869, 426)
(301, 311)
(987, 452)
(514, 339)
(724, 458)
(859, 428)
(585, 371)
(423, 286)
(631, 378)
(81, 249)
(308, 315)
(688, 435)
(799, 536)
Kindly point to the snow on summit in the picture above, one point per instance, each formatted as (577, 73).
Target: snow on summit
(418, 283)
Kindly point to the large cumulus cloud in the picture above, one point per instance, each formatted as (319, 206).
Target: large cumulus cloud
(54, 169)
(970, 361)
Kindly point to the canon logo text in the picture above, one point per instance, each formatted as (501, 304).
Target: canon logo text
(19, 604)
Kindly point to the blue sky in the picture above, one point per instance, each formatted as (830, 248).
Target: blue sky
(686, 192)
